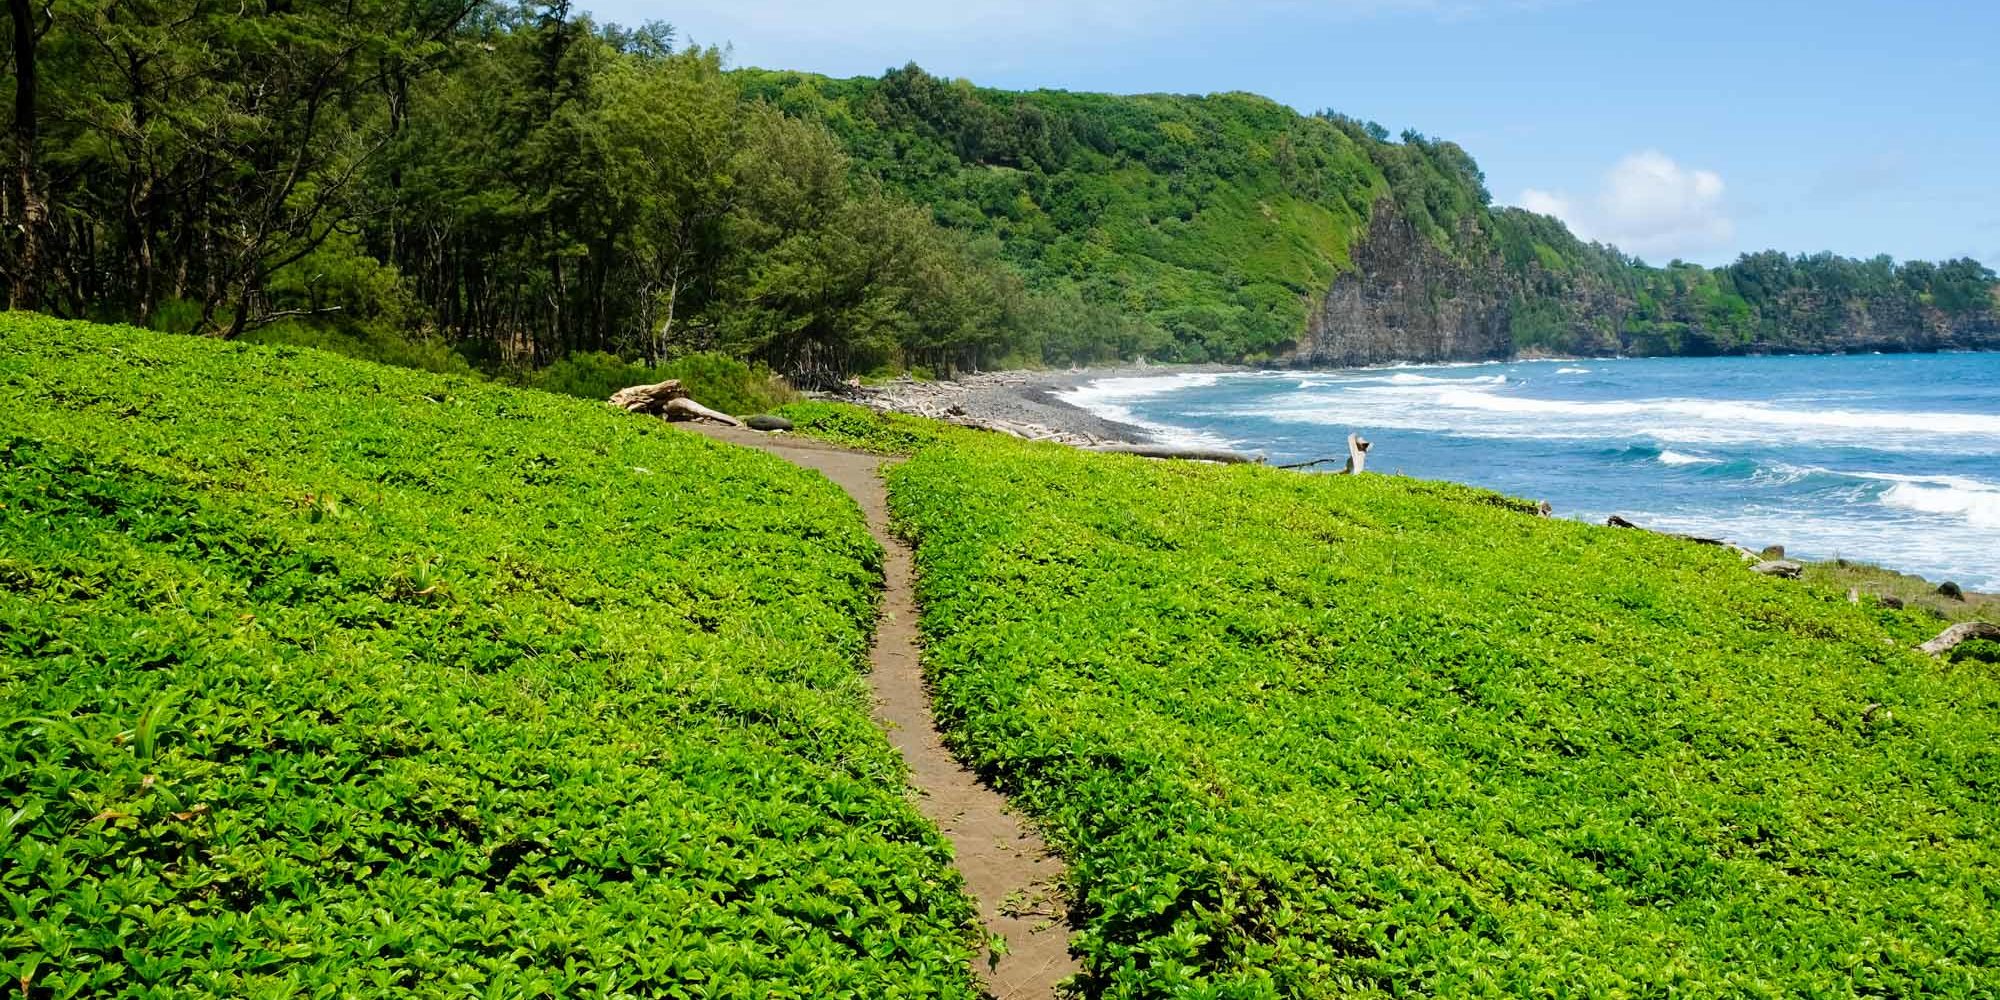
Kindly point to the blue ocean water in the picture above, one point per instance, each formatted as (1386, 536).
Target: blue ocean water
(1891, 459)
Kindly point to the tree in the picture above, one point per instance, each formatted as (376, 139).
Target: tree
(29, 211)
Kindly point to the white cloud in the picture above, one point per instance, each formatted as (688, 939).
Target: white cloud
(1647, 205)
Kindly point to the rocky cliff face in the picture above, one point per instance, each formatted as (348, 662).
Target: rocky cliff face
(1407, 299)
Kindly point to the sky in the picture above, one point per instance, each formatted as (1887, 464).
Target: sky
(1695, 129)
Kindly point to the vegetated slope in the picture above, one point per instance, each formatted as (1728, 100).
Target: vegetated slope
(1235, 227)
(1315, 736)
(319, 677)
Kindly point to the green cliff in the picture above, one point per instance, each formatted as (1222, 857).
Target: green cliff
(1238, 228)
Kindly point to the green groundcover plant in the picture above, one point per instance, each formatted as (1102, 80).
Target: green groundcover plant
(326, 679)
(1327, 736)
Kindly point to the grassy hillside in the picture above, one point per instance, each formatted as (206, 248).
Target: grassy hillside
(1312, 736)
(319, 678)
(1217, 219)
(1221, 221)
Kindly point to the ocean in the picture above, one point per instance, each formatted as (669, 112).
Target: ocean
(1889, 459)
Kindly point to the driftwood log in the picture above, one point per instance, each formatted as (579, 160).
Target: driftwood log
(687, 409)
(1779, 567)
(1949, 639)
(648, 398)
(1221, 455)
(1357, 454)
(667, 399)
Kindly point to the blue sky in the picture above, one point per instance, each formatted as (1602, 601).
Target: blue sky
(1690, 129)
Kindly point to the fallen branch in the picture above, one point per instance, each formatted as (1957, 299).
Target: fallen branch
(683, 408)
(1357, 456)
(1949, 639)
(648, 398)
(669, 400)
(1220, 455)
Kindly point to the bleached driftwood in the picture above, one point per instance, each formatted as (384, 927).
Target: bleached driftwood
(1779, 567)
(684, 408)
(1357, 456)
(667, 399)
(648, 398)
(1221, 455)
(1949, 639)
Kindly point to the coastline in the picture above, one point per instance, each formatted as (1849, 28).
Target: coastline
(1030, 403)
(1026, 399)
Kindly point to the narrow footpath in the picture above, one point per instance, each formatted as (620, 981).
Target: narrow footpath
(1008, 869)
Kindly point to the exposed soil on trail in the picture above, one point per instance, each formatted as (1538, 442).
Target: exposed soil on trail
(1008, 869)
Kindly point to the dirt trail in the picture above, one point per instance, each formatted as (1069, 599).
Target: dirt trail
(1009, 871)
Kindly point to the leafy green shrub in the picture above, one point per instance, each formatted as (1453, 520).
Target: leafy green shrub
(714, 380)
(367, 342)
(321, 678)
(176, 316)
(1327, 736)
(864, 429)
(591, 375)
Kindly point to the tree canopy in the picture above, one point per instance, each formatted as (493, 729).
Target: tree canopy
(509, 186)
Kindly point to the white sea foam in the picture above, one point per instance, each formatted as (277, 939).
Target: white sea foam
(1138, 386)
(1572, 371)
(1671, 457)
(1493, 409)
(1978, 507)
(1112, 399)
(1405, 378)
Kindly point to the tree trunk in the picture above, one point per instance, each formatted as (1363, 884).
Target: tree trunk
(32, 210)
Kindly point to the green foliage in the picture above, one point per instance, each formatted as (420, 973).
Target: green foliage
(371, 342)
(319, 678)
(864, 429)
(1319, 736)
(714, 380)
(520, 184)
(1211, 223)
(1870, 582)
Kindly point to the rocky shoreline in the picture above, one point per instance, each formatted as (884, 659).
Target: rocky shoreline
(1024, 403)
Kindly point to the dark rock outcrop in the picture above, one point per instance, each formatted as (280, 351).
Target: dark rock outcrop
(1409, 298)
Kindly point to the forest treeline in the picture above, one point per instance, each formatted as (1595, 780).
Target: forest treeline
(518, 184)
(452, 182)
